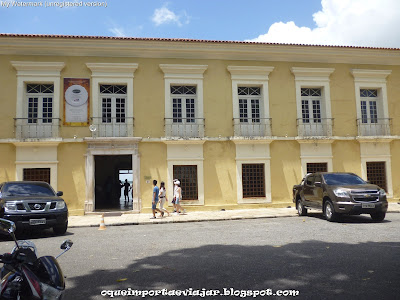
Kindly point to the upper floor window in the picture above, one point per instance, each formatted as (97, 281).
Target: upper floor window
(113, 103)
(371, 98)
(40, 103)
(313, 101)
(183, 104)
(249, 104)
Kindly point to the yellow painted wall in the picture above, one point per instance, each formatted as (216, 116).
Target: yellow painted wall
(346, 157)
(219, 173)
(285, 169)
(153, 164)
(71, 175)
(393, 94)
(395, 159)
(8, 97)
(7, 162)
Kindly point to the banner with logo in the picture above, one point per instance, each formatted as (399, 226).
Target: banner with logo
(76, 101)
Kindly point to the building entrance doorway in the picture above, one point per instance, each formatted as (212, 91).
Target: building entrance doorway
(110, 174)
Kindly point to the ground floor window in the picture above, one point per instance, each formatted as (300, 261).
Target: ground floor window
(37, 174)
(253, 180)
(376, 173)
(317, 167)
(187, 175)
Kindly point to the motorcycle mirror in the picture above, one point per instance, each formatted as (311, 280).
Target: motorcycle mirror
(66, 244)
(7, 226)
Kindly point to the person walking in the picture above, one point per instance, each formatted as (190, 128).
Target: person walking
(156, 191)
(178, 198)
(163, 199)
(126, 189)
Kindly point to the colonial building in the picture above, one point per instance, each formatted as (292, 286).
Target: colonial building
(238, 123)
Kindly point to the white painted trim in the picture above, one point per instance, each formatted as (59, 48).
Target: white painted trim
(250, 76)
(183, 75)
(317, 78)
(321, 154)
(383, 154)
(110, 73)
(37, 72)
(371, 79)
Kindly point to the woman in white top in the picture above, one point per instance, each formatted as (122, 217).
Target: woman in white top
(178, 197)
(162, 195)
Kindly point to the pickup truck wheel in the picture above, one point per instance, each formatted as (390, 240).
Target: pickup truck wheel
(60, 229)
(329, 211)
(379, 216)
(301, 210)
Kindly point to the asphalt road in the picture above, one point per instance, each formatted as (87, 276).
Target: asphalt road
(355, 258)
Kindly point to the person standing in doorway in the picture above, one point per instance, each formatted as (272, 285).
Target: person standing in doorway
(178, 198)
(163, 199)
(126, 189)
(156, 191)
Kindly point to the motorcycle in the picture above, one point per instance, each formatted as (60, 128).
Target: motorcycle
(24, 275)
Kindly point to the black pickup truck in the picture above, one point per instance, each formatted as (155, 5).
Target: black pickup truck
(339, 193)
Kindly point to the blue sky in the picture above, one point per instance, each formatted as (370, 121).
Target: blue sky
(333, 22)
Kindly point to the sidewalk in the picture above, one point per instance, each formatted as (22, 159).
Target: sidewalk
(118, 219)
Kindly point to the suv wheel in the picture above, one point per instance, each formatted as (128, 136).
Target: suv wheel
(379, 216)
(329, 211)
(60, 229)
(301, 210)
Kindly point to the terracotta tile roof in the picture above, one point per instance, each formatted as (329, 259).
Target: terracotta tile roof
(58, 36)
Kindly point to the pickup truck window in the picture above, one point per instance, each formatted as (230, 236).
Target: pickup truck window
(310, 180)
(343, 179)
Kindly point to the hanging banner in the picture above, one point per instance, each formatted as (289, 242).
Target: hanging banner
(76, 101)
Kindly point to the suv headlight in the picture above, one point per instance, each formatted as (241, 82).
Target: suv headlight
(341, 193)
(382, 192)
(10, 206)
(60, 205)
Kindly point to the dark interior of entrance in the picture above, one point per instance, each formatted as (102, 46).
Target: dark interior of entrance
(108, 190)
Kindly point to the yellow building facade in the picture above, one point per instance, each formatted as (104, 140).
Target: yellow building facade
(238, 123)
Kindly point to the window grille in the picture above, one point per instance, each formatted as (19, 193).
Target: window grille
(187, 175)
(183, 90)
(373, 111)
(255, 110)
(316, 111)
(376, 173)
(113, 89)
(369, 93)
(305, 111)
(253, 180)
(177, 110)
(249, 91)
(313, 92)
(243, 110)
(120, 110)
(40, 88)
(47, 110)
(37, 174)
(317, 167)
(106, 110)
(190, 111)
(32, 110)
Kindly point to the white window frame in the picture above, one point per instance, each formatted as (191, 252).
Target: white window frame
(253, 153)
(315, 152)
(184, 155)
(251, 76)
(37, 73)
(372, 79)
(314, 78)
(372, 151)
(177, 75)
(112, 74)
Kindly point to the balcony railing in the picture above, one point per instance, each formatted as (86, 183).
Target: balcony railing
(184, 127)
(315, 127)
(36, 128)
(248, 127)
(111, 127)
(374, 126)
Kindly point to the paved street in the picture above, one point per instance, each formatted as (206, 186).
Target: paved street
(322, 260)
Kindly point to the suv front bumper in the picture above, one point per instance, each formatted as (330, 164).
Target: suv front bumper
(52, 219)
(356, 208)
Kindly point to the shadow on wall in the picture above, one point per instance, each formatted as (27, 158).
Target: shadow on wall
(318, 270)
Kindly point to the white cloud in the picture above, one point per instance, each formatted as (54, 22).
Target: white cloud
(117, 31)
(344, 22)
(165, 16)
